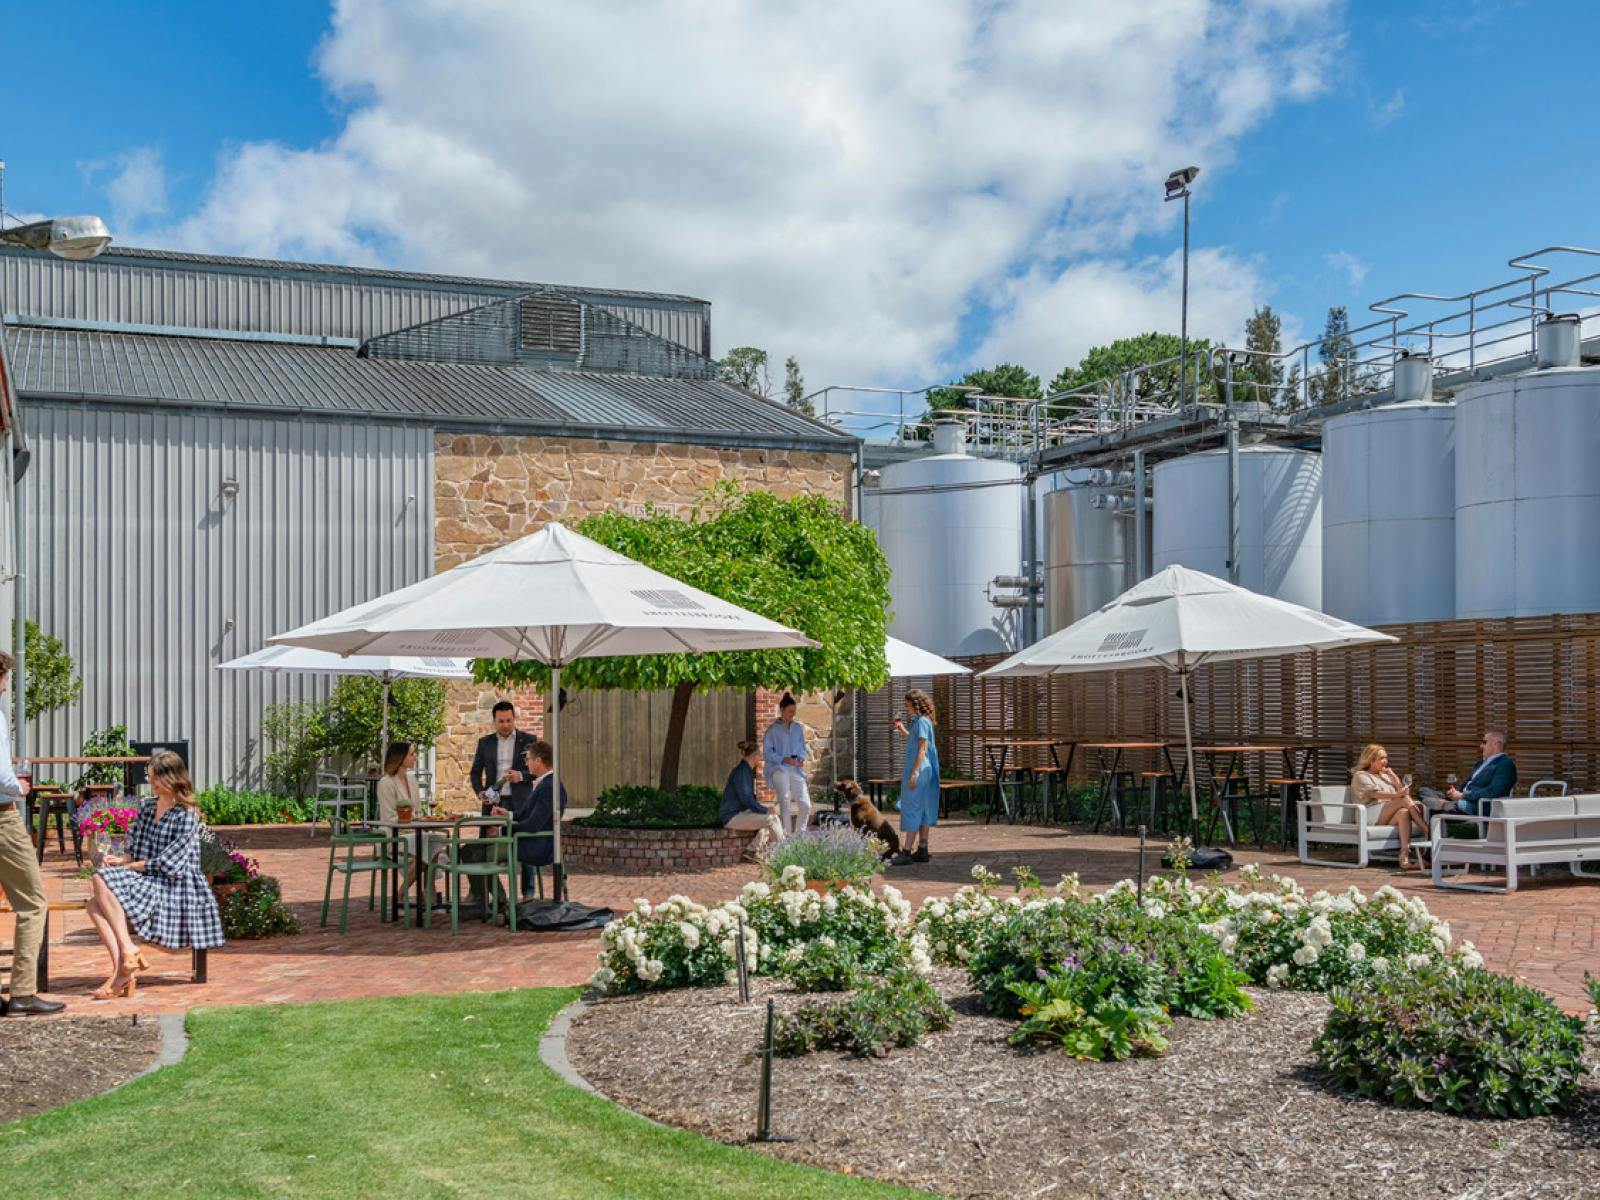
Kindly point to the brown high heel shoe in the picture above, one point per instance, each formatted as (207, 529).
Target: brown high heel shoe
(114, 991)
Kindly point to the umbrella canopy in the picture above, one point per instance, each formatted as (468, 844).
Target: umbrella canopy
(906, 659)
(552, 597)
(385, 669)
(1180, 619)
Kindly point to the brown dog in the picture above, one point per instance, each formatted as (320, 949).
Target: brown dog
(864, 814)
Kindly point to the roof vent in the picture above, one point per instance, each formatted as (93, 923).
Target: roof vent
(1556, 341)
(1413, 378)
(949, 437)
(552, 324)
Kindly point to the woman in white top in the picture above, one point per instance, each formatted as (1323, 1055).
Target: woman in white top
(1373, 782)
(398, 787)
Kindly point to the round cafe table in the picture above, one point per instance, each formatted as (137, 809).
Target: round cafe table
(420, 828)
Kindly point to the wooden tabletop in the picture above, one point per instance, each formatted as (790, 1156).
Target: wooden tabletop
(1242, 749)
(1017, 744)
(1124, 745)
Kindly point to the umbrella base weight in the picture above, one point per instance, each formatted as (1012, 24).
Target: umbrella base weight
(1203, 858)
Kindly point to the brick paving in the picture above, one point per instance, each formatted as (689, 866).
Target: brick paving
(1544, 934)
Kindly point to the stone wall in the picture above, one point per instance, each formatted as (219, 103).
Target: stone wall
(651, 851)
(493, 490)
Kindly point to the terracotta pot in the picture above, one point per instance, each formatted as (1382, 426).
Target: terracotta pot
(223, 890)
(402, 813)
(823, 886)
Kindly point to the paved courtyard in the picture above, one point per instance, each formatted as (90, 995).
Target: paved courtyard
(1544, 934)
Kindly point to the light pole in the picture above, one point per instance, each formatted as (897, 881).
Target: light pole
(75, 238)
(1178, 188)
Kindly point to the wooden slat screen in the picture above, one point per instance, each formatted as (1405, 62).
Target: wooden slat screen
(1427, 698)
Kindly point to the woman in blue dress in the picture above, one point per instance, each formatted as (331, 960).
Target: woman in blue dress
(919, 779)
(156, 890)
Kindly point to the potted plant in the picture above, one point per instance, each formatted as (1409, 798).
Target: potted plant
(106, 830)
(228, 870)
(402, 813)
(832, 857)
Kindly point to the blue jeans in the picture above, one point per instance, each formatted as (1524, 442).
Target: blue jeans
(1472, 808)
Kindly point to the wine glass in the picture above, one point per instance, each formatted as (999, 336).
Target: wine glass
(1405, 781)
(1450, 779)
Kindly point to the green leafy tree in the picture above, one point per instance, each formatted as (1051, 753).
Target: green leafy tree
(794, 387)
(1005, 379)
(353, 717)
(800, 562)
(52, 679)
(1336, 380)
(296, 735)
(746, 367)
(1263, 379)
(1135, 354)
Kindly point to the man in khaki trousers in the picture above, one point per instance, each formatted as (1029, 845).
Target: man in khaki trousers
(19, 876)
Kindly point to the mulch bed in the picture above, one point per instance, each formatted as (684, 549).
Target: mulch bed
(46, 1062)
(1234, 1109)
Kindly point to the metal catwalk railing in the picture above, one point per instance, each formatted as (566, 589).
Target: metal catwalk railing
(1463, 335)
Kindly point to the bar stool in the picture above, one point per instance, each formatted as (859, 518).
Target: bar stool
(62, 805)
(1159, 786)
(1114, 787)
(1289, 790)
(1046, 778)
(1224, 804)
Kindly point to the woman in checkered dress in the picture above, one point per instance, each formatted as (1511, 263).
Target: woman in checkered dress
(156, 890)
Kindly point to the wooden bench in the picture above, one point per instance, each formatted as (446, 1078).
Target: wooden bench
(198, 956)
(1522, 832)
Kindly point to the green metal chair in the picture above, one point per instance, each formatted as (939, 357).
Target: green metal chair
(377, 867)
(500, 859)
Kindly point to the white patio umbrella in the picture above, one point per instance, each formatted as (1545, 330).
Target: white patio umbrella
(385, 669)
(552, 597)
(906, 659)
(1181, 619)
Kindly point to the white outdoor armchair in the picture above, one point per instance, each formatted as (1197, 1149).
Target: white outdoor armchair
(1326, 817)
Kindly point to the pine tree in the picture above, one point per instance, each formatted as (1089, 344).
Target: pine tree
(794, 387)
(1334, 382)
(1263, 379)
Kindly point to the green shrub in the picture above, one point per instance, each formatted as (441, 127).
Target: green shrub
(1460, 1041)
(895, 1011)
(824, 965)
(104, 743)
(835, 853)
(224, 806)
(52, 679)
(637, 806)
(352, 718)
(256, 911)
(1089, 1014)
(295, 734)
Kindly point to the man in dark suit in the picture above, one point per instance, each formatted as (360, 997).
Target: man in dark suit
(499, 776)
(499, 766)
(535, 815)
(1492, 778)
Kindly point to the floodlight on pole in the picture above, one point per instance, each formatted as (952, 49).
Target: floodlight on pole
(1178, 188)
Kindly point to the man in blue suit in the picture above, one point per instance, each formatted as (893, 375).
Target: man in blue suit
(1492, 778)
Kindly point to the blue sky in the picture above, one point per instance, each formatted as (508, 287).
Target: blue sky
(1416, 148)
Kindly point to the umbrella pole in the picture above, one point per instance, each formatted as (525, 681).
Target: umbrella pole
(1188, 751)
(558, 876)
(383, 736)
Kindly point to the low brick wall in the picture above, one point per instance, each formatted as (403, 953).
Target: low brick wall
(651, 851)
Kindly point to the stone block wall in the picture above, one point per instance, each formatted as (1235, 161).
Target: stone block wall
(651, 851)
(492, 490)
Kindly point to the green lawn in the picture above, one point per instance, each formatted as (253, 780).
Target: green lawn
(414, 1096)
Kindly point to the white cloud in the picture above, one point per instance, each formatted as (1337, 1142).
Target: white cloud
(844, 181)
(1348, 265)
(1390, 110)
(135, 182)
(1052, 319)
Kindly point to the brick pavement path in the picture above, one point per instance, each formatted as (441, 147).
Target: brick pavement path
(1545, 934)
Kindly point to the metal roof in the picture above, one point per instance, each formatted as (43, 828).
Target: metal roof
(373, 274)
(274, 378)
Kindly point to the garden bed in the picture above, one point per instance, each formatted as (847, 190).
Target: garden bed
(1235, 1108)
(626, 851)
(47, 1063)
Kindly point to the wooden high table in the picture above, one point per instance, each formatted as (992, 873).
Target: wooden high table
(76, 761)
(1108, 773)
(1233, 753)
(997, 764)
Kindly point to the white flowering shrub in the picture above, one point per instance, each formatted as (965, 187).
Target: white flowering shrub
(1286, 939)
(954, 926)
(676, 943)
(679, 943)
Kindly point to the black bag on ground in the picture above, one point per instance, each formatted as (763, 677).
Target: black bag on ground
(549, 916)
(1201, 858)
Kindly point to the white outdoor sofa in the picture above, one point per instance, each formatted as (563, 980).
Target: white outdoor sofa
(1326, 817)
(1519, 832)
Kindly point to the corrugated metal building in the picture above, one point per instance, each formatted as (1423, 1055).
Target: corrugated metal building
(225, 448)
